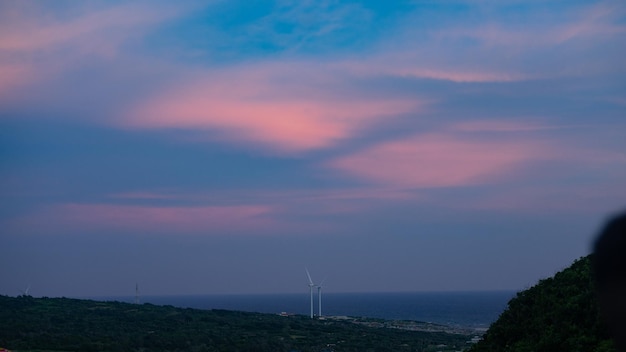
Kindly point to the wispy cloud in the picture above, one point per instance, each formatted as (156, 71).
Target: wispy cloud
(294, 26)
(13, 75)
(88, 218)
(408, 64)
(98, 31)
(36, 44)
(595, 20)
(439, 160)
(504, 126)
(292, 107)
(507, 48)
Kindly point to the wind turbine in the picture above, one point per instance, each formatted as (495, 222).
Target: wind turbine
(25, 292)
(319, 298)
(311, 285)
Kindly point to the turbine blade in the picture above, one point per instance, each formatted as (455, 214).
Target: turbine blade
(320, 284)
(309, 276)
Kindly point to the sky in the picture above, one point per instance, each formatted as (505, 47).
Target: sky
(218, 147)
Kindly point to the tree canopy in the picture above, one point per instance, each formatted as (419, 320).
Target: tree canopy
(62, 324)
(558, 314)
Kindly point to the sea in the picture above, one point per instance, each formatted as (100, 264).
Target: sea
(471, 310)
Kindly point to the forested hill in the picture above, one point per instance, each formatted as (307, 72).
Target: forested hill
(558, 314)
(61, 324)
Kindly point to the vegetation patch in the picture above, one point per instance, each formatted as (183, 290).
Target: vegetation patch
(62, 324)
(558, 314)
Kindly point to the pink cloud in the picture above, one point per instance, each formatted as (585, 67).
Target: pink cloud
(500, 51)
(504, 126)
(12, 75)
(290, 107)
(209, 220)
(287, 205)
(418, 62)
(439, 160)
(597, 21)
(459, 76)
(37, 43)
(407, 64)
(100, 30)
(144, 196)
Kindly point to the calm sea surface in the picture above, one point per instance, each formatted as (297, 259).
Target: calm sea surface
(460, 309)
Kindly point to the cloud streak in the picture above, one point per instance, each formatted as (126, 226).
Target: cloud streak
(36, 45)
(293, 107)
(96, 218)
(26, 33)
(439, 160)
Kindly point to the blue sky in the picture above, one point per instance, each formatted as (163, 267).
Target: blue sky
(223, 146)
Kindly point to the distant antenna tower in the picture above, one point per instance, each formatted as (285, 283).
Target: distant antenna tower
(137, 293)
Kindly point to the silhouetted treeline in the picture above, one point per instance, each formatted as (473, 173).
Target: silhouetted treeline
(558, 314)
(61, 324)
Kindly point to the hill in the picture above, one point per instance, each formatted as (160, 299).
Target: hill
(558, 314)
(62, 324)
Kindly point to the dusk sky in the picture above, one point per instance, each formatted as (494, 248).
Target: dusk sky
(209, 147)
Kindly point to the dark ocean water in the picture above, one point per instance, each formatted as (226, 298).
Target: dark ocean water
(459, 309)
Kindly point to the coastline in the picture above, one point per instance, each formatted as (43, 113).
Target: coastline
(456, 310)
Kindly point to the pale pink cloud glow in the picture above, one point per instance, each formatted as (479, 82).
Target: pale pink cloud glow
(441, 72)
(598, 21)
(144, 196)
(12, 75)
(35, 45)
(28, 30)
(410, 63)
(256, 105)
(504, 126)
(455, 75)
(208, 220)
(438, 160)
(503, 52)
(268, 197)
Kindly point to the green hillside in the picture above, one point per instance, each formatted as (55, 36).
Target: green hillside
(558, 314)
(61, 324)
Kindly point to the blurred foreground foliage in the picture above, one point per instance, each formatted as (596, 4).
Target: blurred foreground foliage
(62, 324)
(558, 314)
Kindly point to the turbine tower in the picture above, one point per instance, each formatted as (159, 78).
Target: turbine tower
(311, 285)
(137, 293)
(319, 298)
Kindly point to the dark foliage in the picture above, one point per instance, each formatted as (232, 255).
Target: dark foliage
(558, 314)
(61, 324)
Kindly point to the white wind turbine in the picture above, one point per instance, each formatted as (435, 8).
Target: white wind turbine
(311, 285)
(319, 298)
(25, 292)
